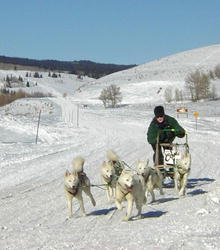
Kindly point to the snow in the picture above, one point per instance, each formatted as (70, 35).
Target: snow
(33, 210)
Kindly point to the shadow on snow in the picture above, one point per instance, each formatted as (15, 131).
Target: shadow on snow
(196, 182)
(197, 191)
(102, 211)
(153, 214)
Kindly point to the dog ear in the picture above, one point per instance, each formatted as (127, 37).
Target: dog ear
(67, 173)
(123, 172)
(137, 162)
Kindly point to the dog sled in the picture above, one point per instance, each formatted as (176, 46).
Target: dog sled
(171, 153)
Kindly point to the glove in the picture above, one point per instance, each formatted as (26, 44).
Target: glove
(181, 134)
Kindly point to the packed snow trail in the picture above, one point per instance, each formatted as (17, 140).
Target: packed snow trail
(36, 206)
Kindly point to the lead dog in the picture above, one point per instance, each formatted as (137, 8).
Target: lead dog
(131, 187)
(181, 173)
(74, 183)
(152, 177)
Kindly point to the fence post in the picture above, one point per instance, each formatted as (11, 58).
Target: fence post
(77, 115)
(38, 124)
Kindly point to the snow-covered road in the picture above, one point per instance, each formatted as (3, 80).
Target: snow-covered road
(32, 203)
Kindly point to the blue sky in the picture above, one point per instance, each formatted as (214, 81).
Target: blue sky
(106, 31)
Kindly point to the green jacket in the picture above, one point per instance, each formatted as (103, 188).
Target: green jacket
(169, 136)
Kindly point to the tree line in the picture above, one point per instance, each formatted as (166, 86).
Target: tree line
(82, 67)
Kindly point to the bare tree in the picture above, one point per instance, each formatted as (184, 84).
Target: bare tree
(115, 95)
(168, 94)
(178, 95)
(198, 84)
(217, 71)
(213, 94)
(111, 96)
(104, 97)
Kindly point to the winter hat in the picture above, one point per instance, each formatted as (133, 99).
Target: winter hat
(159, 111)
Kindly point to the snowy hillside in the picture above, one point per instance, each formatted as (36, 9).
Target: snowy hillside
(172, 68)
(33, 209)
(147, 82)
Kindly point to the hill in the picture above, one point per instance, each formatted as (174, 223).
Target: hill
(171, 68)
(154, 77)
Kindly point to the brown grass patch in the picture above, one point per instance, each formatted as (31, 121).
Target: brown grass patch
(6, 98)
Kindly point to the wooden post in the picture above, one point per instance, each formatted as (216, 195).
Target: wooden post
(157, 152)
(38, 124)
(196, 114)
(196, 122)
(77, 115)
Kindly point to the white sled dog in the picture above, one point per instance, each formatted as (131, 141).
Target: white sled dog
(131, 187)
(152, 176)
(109, 179)
(74, 183)
(181, 173)
(110, 172)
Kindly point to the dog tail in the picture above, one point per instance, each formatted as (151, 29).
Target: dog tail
(112, 156)
(78, 163)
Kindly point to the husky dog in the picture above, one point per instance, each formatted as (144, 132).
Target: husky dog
(110, 172)
(109, 179)
(74, 183)
(115, 160)
(131, 187)
(181, 173)
(152, 176)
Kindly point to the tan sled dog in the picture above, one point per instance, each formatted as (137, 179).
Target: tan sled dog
(131, 187)
(74, 183)
(181, 173)
(109, 179)
(110, 172)
(152, 176)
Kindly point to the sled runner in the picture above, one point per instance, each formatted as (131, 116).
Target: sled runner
(171, 153)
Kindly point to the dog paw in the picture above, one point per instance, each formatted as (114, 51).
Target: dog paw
(125, 218)
(181, 194)
(137, 217)
(69, 217)
(119, 207)
(83, 214)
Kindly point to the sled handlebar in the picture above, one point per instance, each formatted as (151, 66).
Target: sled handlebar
(168, 130)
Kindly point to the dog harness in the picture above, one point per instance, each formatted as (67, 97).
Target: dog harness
(128, 189)
(73, 191)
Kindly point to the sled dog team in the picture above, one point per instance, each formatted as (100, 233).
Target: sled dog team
(122, 183)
